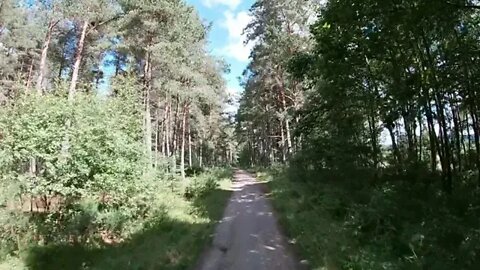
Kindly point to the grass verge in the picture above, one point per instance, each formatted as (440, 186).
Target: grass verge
(314, 232)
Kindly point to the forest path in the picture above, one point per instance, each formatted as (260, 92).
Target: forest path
(248, 237)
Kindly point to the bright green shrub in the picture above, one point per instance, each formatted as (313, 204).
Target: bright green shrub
(87, 161)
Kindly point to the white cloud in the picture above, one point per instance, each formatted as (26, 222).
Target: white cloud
(234, 23)
(232, 4)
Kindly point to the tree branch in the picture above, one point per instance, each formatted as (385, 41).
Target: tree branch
(117, 17)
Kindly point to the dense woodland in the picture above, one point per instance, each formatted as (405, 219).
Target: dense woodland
(107, 110)
(365, 116)
(374, 105)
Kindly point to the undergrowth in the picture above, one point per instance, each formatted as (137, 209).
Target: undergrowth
(391, 224)
(169, 234)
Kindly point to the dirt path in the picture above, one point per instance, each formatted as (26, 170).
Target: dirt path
(248, 237)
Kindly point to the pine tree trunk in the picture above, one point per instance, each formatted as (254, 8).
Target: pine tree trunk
(156, 141)
(175, 129)
(167, 130)
(189, 147)
(200, 155)
(148, 116)
(182, 150)
(43, 58)
(281, 85)
(78, 60)
(282, 135)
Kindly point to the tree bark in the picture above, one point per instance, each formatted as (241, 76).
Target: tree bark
(148, 117)
(43, 58)
(396, 150)
(182, 150)
(190, 163)
(200, 155)
(167, 129)
(283, 144)
(458, 140)
(78, 60)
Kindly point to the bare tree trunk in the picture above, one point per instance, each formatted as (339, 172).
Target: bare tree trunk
(189, 147)
(157, 139)
(164, 138)
(396, 150)
(43, 58)
(148, 117)
(287, 122)
(200, 156)
(167, 129)
(175, 129)
(182, 150)
(78, 60)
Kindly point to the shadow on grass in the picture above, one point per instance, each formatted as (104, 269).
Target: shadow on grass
(213, 205)
(164, 244)
(167, 244)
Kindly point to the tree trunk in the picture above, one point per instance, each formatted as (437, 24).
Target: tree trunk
(410, 136)
(447, 167)
(420, 139)
(287, 123)
(396, 150)
(372, 123)
(78, 60)
(182, 150)
(148, 116)
(200, 155)
(175, 129)
(167, 130)
(189, 147)
(43, 58)
(458, 142)
(157, 139)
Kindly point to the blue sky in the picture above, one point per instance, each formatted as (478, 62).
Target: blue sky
(228, 17)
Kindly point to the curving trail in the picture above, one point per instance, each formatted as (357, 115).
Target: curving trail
(248, 237)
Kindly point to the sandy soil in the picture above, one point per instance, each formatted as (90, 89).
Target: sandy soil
(248, 237)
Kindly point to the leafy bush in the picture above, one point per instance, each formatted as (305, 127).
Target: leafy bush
(71, 167)
(388, 225)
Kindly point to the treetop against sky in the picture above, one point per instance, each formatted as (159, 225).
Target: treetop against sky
(228, 18)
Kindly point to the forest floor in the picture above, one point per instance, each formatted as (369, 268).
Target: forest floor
(248, 237)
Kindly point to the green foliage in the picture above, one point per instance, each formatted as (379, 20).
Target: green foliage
(385, 169)
(95, 177)
(87, 165)
(343, 225)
